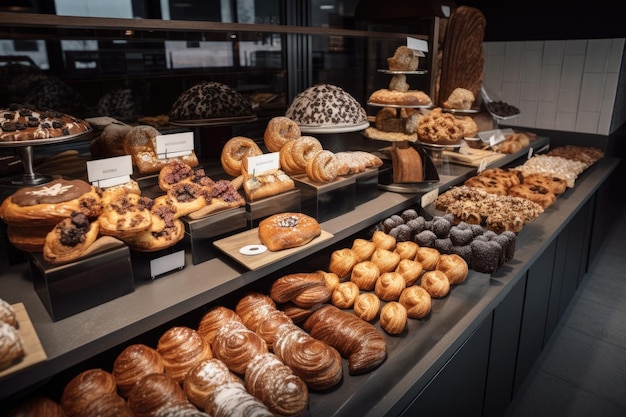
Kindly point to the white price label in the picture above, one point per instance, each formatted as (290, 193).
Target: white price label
(430, 197)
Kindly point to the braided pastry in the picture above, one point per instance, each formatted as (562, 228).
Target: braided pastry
(355, 339)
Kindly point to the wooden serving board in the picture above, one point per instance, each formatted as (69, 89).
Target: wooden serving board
(231, 245)
(33, 349)
(473, 157)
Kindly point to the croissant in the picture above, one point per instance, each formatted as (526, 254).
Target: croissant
(182, 348)
(236, 345)
(232, 399)
(355, 339)
(215, 318)
(330, 278)
(389, 286)
(410, 270)
(342, 261)
(363, 249)
(253, 308)
(345, 294)
(385, 260)
(455, 268)
(428, 257)
(417, 301)
(364, 275)
(203, 378)
(436, 283)
(153, 392)
(133, 363)
(318, 364)
(84, 388)
(275, 384)
(393, 317)
(367, 306)
(383, 240)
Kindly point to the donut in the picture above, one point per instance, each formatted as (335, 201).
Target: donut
(323, 167)
(233, 152)
(280, 130)
(305, 148)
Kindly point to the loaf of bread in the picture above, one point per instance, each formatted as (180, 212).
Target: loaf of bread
(355, 339)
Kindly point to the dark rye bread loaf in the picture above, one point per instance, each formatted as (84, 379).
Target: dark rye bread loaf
(463, 56)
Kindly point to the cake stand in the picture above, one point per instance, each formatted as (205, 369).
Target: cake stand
(25, 151)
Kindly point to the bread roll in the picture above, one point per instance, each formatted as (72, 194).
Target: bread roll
(367, 306)
(355, 339)
(383, 240)
(133, 363)
(342, 261)
(428, 257)
(389, 286)
(410, 270)
(363, 249)
(182, 348)
(85, 388)
(318, 364)
(345, 294)
(393, 317)
(275, 384)
(236, 345)
(435, 283)
(417, 301)
(214, 319)
(455, 268)
(205, 377)
(364, 275)
(406, 249)
(153, 392)
(385, 260)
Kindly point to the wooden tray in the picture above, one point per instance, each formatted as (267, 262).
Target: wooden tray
(231, 245)
(473, 157)
(32, 346)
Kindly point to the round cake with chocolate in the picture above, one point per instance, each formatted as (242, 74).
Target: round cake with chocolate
(23, 123)
(326, 105)
(210, 100)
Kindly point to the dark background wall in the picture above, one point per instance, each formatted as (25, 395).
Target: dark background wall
(522, 20)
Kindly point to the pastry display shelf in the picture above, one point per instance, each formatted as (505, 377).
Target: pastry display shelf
(413, 360)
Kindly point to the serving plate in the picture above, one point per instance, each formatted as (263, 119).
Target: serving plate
(334, 129)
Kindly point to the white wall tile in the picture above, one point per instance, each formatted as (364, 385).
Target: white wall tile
(546, 115)
(591, 92)
(510, 93)
(587, 122)
(597, 57)
(568, 101)
(575, 47)
(529, 92)
(531, 65)
(553, 53)
(565, 121)
(615, 56)
(528, 113)
(550, 83)
(572, 73)
(512, 61)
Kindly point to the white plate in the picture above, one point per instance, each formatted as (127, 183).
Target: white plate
(386, 71)
(218, 121)
(334, 129)
(47, 141)
(461, 111)
(401, 106)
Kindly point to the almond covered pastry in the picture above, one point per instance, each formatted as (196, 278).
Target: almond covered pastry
(393, 318)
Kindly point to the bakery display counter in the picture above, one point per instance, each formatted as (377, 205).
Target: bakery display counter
(414, 358)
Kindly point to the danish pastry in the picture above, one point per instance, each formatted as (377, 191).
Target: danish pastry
(428, 257)
(536, 193)
(182, 348)
(127, 214)
(363, 249)
(288, 230)
(455, 268)
(70, 239)
(342, 261)
(439, 128)
(322, 166)
(410, 269)
(385, 260)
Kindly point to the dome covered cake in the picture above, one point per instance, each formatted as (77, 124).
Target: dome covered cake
(210, 100)
(326, 105)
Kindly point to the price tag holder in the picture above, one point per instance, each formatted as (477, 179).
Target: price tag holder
(430, 197)
(265, 164)
(418, 45)
(491, 137)
(110, 172)
(174, 145)
(164, 264)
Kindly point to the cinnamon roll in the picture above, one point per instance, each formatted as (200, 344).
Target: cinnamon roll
(342, 261)
(385, 260)
(253, 308)
(345, 294)
(85, 388)
(406, 249)
(363, 248)
(133, 363)
(215, 318)
(428, 257)
(205, 377)
(383, 240)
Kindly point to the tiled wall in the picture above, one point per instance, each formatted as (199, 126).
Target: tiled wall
(568, 85)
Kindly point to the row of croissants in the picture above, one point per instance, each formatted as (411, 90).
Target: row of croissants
(265, 355)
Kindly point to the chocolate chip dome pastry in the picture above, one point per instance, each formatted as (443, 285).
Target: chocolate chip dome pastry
(209, 100)
(326, 105)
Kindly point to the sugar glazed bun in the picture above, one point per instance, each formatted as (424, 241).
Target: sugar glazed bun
(325, 105)
(210, 100)
(236, 345)
(279, 131)
(288, 230)
(234, 150)
(182, 348)
(232, 399)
